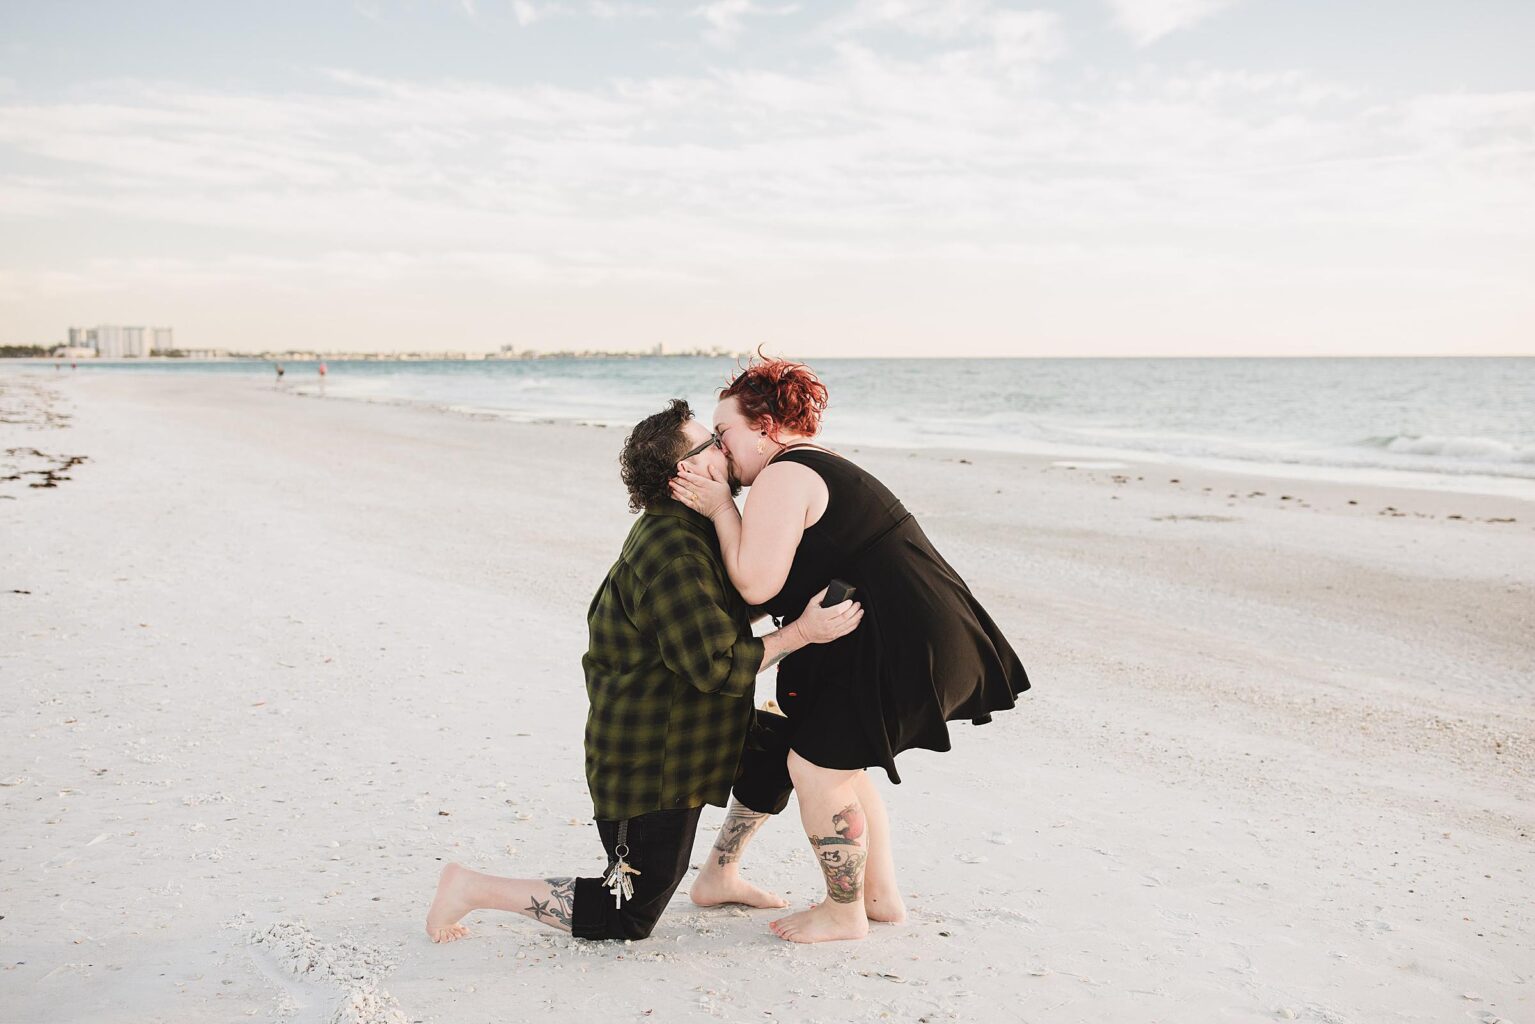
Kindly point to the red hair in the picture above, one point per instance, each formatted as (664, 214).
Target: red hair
(788, 393)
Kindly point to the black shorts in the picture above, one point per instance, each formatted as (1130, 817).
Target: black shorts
(660, 847)
(661, 842)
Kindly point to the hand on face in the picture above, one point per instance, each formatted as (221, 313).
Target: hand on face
(708, 491)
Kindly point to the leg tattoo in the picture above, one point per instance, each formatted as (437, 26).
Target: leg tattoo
(849, 822)
(560, 904)
(843, 855)
(739, 826)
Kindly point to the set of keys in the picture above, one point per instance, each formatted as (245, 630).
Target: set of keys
(618, 882)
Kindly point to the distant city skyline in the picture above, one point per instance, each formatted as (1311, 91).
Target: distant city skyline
(844, 178)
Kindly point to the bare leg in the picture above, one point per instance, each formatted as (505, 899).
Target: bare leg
(881, 896)
(719, 880)
(460, 891)
(834, 820)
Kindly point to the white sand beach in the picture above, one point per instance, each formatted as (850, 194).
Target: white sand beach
(267, 661)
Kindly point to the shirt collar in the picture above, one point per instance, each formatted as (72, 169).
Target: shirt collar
(677, 510)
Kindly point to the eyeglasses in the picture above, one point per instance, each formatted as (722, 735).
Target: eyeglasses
(714, 439)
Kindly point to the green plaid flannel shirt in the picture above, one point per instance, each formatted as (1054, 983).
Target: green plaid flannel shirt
(670, 671)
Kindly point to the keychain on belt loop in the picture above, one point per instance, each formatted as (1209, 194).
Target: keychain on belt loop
(617, 881)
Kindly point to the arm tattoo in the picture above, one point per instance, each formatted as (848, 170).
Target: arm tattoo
(739, 826)
(559, 907)
(843, 855)
(771, 660)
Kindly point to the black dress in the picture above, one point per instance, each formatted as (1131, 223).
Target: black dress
(925, 654)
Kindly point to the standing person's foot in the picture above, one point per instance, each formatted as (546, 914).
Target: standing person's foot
(450, 904)
(885, 907)
(829, 922)
(717, 888)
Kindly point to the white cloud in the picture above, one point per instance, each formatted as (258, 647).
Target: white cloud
(1146, 21)
(1473, 120)
(920, 146)
(1026, 37)
(727, 18)
(933, 19)
(855, 167)
(527, 12)
(1014, 40)
(615, 10)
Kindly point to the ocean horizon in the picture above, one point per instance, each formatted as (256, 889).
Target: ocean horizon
(1444, 423)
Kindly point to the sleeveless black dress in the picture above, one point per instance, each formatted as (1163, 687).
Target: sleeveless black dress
(925, 654)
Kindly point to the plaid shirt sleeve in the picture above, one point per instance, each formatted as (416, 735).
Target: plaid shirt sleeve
(698, 637)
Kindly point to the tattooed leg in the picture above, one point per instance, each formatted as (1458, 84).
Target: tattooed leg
(739, 827)
(461, 891)
(837, 827)
(843, 855)
(720, 881)
(556, 910)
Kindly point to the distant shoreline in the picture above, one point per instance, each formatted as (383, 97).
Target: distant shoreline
(847, 430)
(391, 357)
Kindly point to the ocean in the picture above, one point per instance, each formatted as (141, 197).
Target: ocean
(1448, 423)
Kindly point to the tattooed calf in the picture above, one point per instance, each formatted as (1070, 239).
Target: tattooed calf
(849, 822)
(560, 905)
(739, 825)
(843, 855)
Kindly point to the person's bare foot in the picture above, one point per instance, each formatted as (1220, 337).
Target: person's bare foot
(885, 907)
(450, 904)
(717, 888)
(828, 922)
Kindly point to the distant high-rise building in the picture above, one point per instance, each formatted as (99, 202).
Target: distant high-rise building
(114, 341)
(134, 346)
(109, 341)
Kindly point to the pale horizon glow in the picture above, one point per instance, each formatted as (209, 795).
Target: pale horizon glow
(852, 178)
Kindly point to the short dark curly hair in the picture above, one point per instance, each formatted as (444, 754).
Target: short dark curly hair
(649, 459)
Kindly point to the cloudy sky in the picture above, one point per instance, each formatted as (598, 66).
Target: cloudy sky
(826, 177)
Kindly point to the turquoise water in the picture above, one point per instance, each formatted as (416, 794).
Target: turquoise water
(1458, 423)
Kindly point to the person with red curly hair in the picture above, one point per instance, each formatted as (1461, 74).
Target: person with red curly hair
(925, 655)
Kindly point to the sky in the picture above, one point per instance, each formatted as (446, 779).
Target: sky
(820, 177)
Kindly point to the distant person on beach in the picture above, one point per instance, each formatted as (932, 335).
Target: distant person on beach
(927, 654)
(280, 372)
(670, 674)
(322, 368)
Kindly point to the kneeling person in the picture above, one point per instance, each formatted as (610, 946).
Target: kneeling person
(670, 675)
